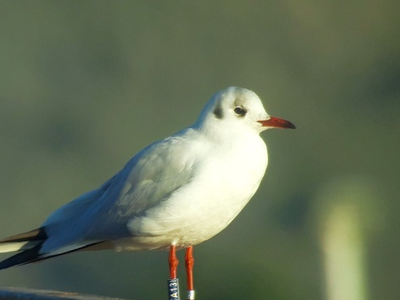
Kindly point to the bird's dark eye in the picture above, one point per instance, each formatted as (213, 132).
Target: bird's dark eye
(240, 111)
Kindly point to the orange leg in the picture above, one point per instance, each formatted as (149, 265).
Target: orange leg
(173, 262)
(189, 262)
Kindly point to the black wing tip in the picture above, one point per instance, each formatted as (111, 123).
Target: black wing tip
(34, 255)
(36, 236)
(22, 258)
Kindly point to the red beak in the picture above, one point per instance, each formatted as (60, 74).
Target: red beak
(277, 123)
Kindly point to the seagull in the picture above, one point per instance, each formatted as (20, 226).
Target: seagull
(175, 193)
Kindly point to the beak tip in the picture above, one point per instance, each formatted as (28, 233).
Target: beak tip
(274, 122)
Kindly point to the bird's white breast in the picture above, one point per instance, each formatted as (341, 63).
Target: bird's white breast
(227, 177)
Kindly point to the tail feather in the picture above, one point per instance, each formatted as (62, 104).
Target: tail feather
(33, 235)
(23, 241)
(33, 255)
(29, 244)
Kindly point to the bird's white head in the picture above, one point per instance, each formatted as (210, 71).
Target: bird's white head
(236, 108)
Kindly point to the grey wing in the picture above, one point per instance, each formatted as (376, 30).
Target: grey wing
(147, 179)
(154, 178)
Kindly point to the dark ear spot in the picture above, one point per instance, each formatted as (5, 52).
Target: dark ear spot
(218, 112)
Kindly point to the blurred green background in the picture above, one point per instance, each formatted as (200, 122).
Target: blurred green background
(84, 85)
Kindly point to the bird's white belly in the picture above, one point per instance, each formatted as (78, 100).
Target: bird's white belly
(201, 209)
(184, 224)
